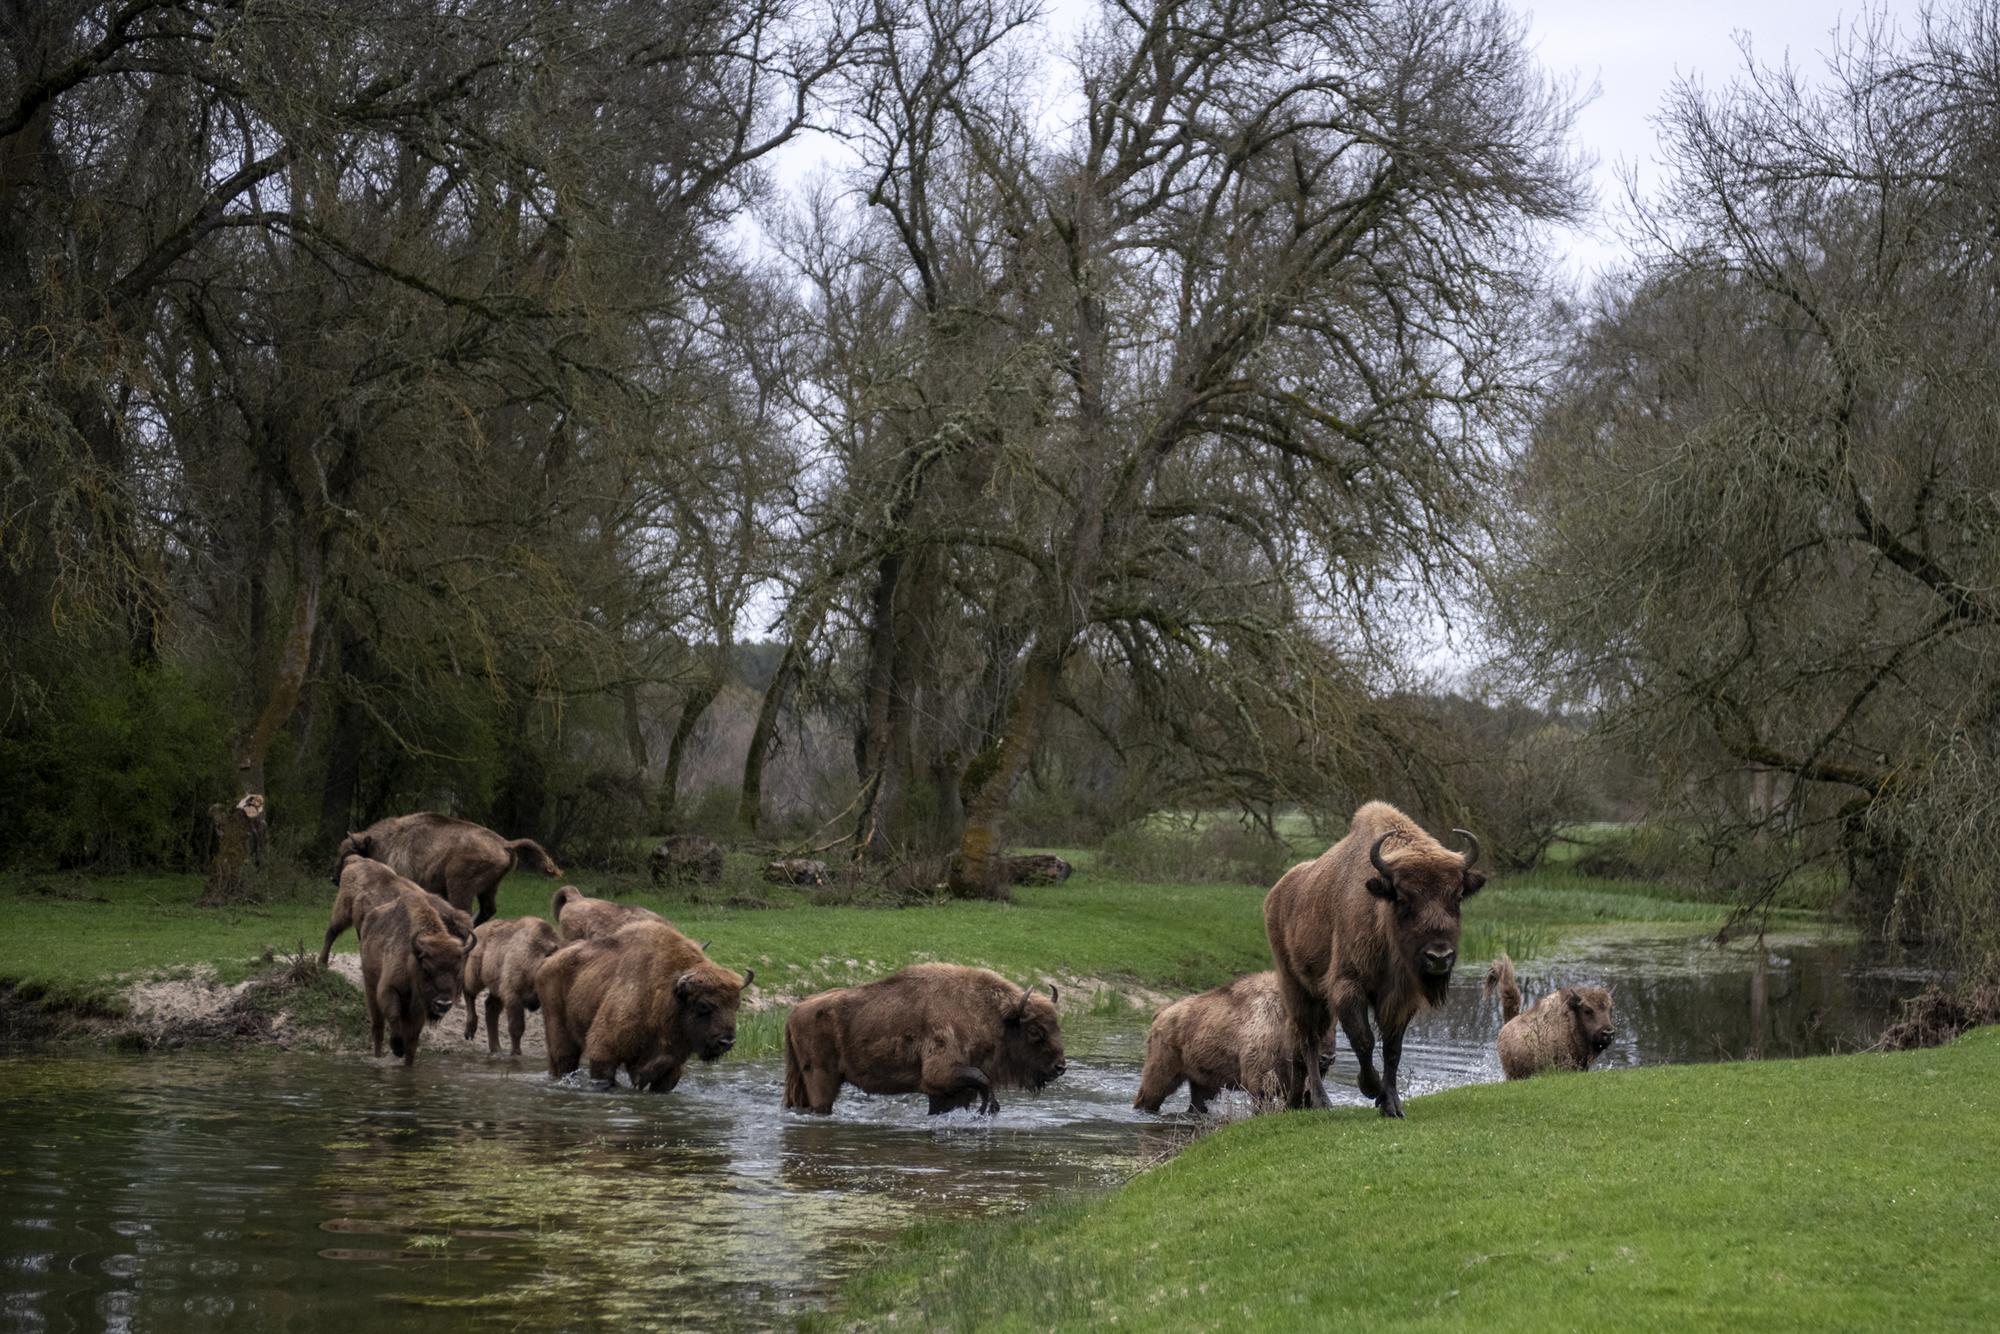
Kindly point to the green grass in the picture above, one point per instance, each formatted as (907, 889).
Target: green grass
(74, 940)
(1851, 1192)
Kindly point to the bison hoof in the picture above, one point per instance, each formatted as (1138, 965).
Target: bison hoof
(1390, 1104)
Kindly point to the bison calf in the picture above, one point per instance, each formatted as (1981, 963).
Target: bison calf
(365, 885)
(1229, 1037)
(502, 964)
(410, 967)
(951, 1033)
(1565, 1030)
(1372, 923)
(645, 998)
(584, 918)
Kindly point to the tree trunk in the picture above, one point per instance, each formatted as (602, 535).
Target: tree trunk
(750, 802)
(977, 868)
(871, 738)
(337, 815)
(699, 697)
(233, 877)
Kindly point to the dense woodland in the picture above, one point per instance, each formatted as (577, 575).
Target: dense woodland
(411, 405)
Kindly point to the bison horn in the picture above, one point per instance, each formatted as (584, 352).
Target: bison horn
(1053, 999)
(1375, 856)
(749, 976)
(1472, 853)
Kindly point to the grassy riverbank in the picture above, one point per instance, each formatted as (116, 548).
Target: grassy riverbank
(79, 941)
(1850, 1192)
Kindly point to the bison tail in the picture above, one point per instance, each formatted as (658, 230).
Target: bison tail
(527, 852)
(1500, 978)
(561, 901)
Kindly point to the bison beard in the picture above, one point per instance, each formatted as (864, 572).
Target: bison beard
(1371, 925)
(951, 1033)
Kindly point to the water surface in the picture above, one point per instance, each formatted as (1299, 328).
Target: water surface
(315, 1191)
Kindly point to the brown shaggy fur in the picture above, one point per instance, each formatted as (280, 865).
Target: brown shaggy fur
(1565, 1030)
(457, 860)
(410, 966)
(502, 964)
(951, 1033)
(645, 998)
(584, 918)
(1230, 1037)
(1345, 942)
(366, 884)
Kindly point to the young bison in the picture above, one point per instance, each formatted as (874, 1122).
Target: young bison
(1371, 923)
(1229, 1037)
(645, 998)
(502, 964)
(366, 884)
(1564, 1030)
(455, 859)
(410, 968)
(584, 918)
(951, 1033)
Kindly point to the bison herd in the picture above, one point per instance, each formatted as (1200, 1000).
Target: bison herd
(1365, 935)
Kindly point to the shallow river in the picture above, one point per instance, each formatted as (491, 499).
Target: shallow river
(270, 1190)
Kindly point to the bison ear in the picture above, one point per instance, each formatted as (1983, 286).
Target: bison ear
(749, 976)
(683, 985)
(1381, 888)
(1474, 882)
(1571, 999)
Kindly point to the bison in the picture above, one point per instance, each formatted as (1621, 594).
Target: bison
(366, 884)
(455, 859)
(1371, 923)
(1565, 1030)
(502, 963)
(410, 967)
(584, 918)
(952, 1033)
(645, 998)
(1229, 1037)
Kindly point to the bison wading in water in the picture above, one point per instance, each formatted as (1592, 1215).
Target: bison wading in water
(951, 1033)
(457, 860)
(502, 963)
(584, 918)
(1236, 1036)
(366, 884)
(645, 998)
(410, 966)
(1370, 924)
(1564, 1030)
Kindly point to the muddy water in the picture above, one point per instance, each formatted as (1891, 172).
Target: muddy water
(313, 1191)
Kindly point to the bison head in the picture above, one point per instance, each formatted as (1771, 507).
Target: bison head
(1590, 1010)
(705, 1000)
(354, 845)
(440, 971)
(1425, 889)
(1032, 1039)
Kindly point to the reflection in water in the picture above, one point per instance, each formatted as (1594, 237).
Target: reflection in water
(274, 1190)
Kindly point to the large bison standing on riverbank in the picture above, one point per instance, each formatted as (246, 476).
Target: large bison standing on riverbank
(1371, 923)
(645, 998)
(951, 1033)
(457, 860)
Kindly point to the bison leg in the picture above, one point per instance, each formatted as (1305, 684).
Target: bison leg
(1310, 1021)
(603, 1075)
(564, 1051)
(1391, 1102)
(493, 1008)
(326, 948)
(1156, 1084)
(471, 1015)
(375, 1019)
(1361, 1037)
(517, 1024)
(1199, 1094)
(960, 1086)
